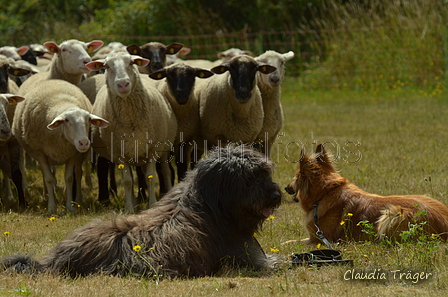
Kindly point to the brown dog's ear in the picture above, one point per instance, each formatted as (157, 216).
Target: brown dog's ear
(306, 164)
(322, 155)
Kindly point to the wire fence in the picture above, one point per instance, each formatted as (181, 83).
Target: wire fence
(360, 58)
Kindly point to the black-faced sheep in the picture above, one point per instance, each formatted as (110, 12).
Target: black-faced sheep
(10, 150)
(178, 88)
(155, 52)
(53, 125)
(230, 103)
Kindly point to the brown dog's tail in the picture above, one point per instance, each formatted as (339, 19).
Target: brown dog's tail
(393, 221)
(397, 220)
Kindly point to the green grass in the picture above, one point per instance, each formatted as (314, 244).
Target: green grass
(401, 137)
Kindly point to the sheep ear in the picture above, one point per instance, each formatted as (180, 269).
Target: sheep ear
(139, 61)
(51, 47)
(94, 45)
(220, 69)
(202, 73)
(134, 50)
(96, 65)
(13, 99)
(249, 53)
(173, 48)
(288, 56)
(23, 50)
(266, 69)
(97, 121)
(18, 71)
(159, 74)
(57, 122)
(184, 51)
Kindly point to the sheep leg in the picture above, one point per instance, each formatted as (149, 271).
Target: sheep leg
(150, 170)
(78, 177)
(128, 183)
(102, 171)
(69, 179)
(182, 160)
(166, 171)
(50, 183)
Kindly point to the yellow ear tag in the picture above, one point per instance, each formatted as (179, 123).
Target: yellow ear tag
(172, 50)
(201, 74)
(12, 101)
(56, 124)
(135, 52)
(52, 49)
(159, 75)
(264, 68)
(90, 48)
(98, 66)
(16, 72)
(223, 69)
(139, 63)
(98, 122)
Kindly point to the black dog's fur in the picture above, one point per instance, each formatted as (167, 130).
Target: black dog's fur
(204, 222)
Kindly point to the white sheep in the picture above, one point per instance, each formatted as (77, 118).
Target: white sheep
(230, 104)
(10, 149)
(69, 63)
(270, 88)
(142, 124)
(53, 125)
(13, 52)
(178, 87)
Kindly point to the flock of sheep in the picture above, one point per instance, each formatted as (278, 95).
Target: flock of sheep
(136, 106)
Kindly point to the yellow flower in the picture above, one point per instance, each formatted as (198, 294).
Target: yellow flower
(271, 217)
(52, 219)
(137, 248)
(150, 176)
(365, 256)
(349, 214)
(342, 223)
(6, 233)
(121, 166)
(434, 236)
(275, 250)
(255, 234)
(318, 246)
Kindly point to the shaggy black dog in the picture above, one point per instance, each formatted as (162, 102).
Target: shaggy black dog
(203, 223)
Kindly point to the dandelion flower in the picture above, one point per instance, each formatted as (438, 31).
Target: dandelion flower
(342, 223)
(434, 236)
(271, 217)
(137, 248)
(6, 233)
(150, 176)
(318, 246)
(273, 250)
(52, 219)
(255, 234)
(121, 166)
(349, 214)
(365, 256)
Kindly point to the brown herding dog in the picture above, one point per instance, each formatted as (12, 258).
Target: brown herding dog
(339, 206)
(204, 222)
